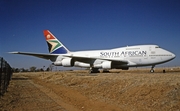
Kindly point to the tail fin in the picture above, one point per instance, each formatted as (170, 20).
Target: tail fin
(54, 45)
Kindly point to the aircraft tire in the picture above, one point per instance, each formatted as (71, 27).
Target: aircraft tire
(94, 70)
(151, 71)
(106, 71)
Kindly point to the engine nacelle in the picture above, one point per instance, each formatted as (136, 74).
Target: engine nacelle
(57, 63)
(68, 62)
(107, 65)
(81, 64)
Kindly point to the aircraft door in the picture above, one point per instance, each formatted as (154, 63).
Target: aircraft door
(152, 50)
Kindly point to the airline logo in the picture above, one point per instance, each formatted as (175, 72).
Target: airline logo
(123, 53)
(53, 44)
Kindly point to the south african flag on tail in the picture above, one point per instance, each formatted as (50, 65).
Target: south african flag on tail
(54, 45)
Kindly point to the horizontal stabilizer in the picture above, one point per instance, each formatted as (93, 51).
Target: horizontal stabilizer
(39, 55)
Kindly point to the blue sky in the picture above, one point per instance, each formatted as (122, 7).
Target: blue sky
(87, 24)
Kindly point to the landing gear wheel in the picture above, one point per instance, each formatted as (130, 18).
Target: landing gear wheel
(152, 69)
(94, 70)
(105, 71)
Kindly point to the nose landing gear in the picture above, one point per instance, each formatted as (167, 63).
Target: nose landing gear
(152, 69)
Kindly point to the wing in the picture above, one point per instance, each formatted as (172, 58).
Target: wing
(51, 57)
(87, 59)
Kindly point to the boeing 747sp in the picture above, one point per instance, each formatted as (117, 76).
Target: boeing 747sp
(117, 58)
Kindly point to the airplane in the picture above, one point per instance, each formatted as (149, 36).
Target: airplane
(117, 58)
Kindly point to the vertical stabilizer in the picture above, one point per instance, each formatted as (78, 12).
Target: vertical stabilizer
(54, 45)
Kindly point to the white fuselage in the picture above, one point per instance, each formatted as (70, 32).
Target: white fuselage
(140, 55)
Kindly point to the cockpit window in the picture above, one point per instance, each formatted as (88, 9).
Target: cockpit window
(157, 47)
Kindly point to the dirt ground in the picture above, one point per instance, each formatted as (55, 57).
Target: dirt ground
(132, 90)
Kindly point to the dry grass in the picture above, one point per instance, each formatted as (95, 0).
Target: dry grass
(135, 89)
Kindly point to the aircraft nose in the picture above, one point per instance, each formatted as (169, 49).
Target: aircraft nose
(173, 55)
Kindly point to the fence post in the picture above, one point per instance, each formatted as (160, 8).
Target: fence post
(5, 75)
(1, 76)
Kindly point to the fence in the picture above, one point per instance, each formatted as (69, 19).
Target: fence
(5, 75)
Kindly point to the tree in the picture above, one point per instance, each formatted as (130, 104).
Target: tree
(47, 69)
(23, 70)
(15, 69)
(51, 67)
(41, 69)
(32, 69)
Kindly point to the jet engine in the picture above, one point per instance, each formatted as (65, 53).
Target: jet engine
(67, 62)
(57, 63)
(107, 65)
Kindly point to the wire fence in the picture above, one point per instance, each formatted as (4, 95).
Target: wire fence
(5, 75)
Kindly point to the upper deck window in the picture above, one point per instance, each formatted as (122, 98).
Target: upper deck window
(132, 48)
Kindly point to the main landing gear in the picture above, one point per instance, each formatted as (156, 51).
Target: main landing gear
(152, 69)
(94, 70)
